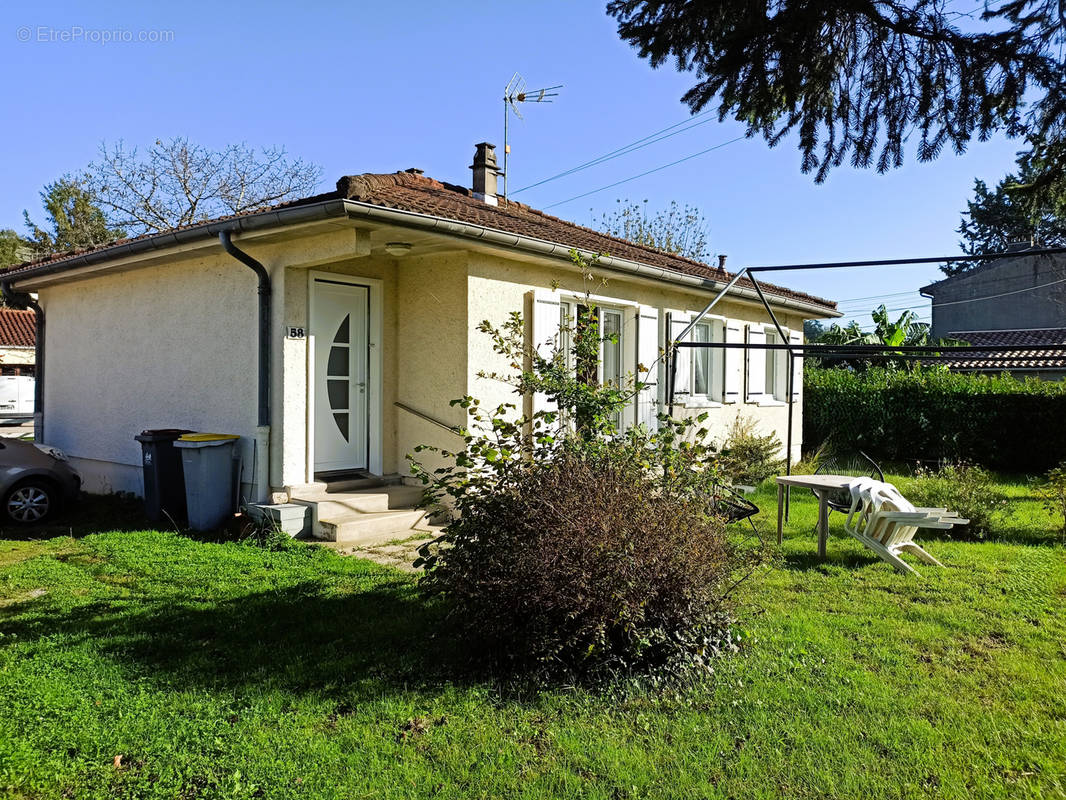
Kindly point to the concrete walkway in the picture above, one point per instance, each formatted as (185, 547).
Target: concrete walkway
(398, 553)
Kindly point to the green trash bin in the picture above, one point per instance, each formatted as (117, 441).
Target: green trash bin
(211, 464)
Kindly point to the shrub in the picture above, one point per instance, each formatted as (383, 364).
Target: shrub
(812, 461)
(1053, 492)
(574, 549)
(967, 490)
(747, 457)
(931, 414)
(579, 566)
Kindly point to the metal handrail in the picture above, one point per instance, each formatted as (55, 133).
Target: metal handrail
(428, 418)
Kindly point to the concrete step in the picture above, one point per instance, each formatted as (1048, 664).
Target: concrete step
(359, 484)
(368, 529)
(384, 498)
(350, 485)
(364, 516)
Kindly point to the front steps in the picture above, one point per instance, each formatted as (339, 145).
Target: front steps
(362, 516)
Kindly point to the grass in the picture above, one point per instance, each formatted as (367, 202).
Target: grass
(220, 670)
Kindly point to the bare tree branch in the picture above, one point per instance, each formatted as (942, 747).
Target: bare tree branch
(176, 182)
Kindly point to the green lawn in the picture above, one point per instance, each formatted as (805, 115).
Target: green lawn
(227, 671)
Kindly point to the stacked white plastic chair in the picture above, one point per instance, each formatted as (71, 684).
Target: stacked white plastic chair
(885, 522)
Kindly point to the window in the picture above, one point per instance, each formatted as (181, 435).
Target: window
(775, 387)
(708, 364)
(611, 346)
(612, 372)
(610, 368)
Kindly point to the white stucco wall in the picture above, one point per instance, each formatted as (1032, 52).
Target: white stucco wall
(431, 352)
(159, 347)
(497, 287)
(175, 345)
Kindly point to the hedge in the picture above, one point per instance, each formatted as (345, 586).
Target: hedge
(930, 414)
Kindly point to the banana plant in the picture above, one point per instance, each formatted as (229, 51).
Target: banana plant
(903, 332)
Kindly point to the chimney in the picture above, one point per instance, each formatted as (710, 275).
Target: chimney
(485, 172)
(721, 261)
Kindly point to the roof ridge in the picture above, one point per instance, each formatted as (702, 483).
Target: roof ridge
(355, 186)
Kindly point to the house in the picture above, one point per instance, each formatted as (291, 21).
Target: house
(18, 336)
(363, 329)
(1017, 301)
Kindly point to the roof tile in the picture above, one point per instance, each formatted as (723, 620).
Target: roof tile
(17, 328)
(413, 192)
(1054, 357)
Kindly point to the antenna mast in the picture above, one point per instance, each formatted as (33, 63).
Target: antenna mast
(513, 94)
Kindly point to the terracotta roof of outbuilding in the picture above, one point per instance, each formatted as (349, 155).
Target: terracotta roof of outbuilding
(17, 328)
(413, 192)
(1052, 354)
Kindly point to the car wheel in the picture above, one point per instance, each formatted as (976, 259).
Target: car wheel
(30, 502)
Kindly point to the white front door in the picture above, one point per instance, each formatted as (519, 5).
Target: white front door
(340, 317)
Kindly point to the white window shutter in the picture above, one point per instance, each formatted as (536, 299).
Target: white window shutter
(544, 335)
(677, 321)
(647, 400)
(734, 362)
(717, 361)
(756, 368)
(796, 338)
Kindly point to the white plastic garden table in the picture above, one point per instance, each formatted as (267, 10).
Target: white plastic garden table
(822, 486)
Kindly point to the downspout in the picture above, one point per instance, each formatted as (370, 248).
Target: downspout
(25, 300)
(262, 431)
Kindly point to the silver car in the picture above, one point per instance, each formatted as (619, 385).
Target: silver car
(35, 481)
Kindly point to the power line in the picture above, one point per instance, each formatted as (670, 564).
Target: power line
(876, 297)
(902, 262)
(626, 149)
(860, 307)
(646, 173)
(982, 297)
(1000, 294)
(853, 314)
(986, 281)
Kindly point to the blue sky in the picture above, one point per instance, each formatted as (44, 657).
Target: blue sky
(362, 87)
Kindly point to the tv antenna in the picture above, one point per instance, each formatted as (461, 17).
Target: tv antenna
(514, 94)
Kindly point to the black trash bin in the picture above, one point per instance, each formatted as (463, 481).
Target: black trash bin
(164, 478)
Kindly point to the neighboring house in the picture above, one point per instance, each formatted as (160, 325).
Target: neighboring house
(1048, 363)
(18, 335)
(377, 288)
(1014, 301)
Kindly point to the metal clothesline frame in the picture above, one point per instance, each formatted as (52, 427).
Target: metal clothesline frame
(871, 352)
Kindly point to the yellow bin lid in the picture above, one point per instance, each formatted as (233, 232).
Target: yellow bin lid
(208, 437)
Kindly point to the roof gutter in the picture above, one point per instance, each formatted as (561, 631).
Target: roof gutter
(195, 235)
(543, 247)
(407, 219)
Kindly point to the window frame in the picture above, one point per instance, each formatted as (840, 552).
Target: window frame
(715, 373)
(775, 368)
(627, 312)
